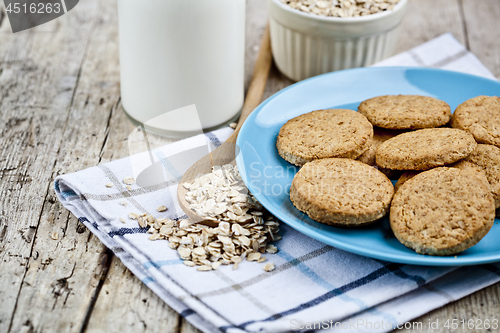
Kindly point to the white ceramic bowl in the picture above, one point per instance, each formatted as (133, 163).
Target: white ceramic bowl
(306, 45)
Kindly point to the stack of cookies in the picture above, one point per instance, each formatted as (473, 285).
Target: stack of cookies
(449, 177)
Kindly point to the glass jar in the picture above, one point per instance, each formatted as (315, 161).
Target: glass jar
(182, 63)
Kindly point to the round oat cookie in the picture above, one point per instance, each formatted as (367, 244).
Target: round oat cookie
(379, 135)
(322, 134)
(443, 211)
(407, 175)
(406, 111)
(486, 157)
(481, 117)
(341, 192)
(368, 157)
(425, 149)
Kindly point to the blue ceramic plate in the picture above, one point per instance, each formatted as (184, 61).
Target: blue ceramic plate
(269, 177)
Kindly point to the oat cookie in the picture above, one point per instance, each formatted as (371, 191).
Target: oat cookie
(379, 135)
(486, 157)
(404, 178)
(443, 211)
(368, 157)
(341, 192)
(323, 134)
(481, 117)
(406, 111)
(425, 149)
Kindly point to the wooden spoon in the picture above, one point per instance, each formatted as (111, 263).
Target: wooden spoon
(225, 154)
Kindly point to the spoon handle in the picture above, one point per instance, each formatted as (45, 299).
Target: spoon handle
(258, 83)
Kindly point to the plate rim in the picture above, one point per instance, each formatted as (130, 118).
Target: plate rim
(419, 259)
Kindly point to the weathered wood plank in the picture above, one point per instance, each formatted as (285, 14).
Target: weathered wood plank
(125, 304)
(35, 94)
(427, 19)
(186, 327)
(483, 30)
(64, 275)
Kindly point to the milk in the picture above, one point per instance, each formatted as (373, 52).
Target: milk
(179, 55)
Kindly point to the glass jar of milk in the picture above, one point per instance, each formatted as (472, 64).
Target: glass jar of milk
(182, 63)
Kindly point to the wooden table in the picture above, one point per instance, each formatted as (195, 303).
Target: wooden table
(60, 112)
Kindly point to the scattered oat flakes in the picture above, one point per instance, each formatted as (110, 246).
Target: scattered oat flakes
(205, 268)
(110, 185)
(189, 263)
(122, 220)
(253, 256)
(143, 223)
(154, 237)
(269, 267)
(233, 125)
(161, 208)
(272, 249)
(129, 188)
(128, 180)
(261, 259)
(54, 236)
(123, 203)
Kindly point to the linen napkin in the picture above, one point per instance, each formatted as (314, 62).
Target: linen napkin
(313, 287)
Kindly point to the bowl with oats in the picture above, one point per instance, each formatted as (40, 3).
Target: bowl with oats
(312, 37)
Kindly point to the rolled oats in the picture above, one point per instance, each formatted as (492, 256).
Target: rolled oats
(271, 249)
(253, 256)
(221, 195)
(110, 185)
(269, 267)
(155, 237)
(128, 180)
(205, 268)
(189, 263)
(342, 8)
(161, 209)
(244, 227)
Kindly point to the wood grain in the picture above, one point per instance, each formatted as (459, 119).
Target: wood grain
(60, 112)
(36, 93)
(66, 275)
(427, 19)
(125, 304)
(483, 30)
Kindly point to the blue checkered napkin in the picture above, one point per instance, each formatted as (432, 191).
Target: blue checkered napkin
(313, 284)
